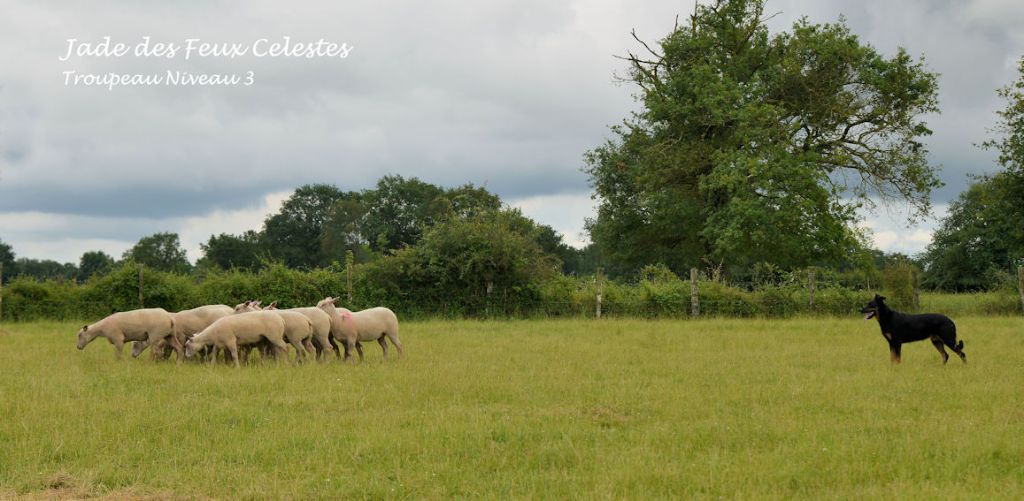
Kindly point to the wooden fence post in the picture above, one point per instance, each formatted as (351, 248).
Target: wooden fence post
(142, 304)
(1020, 285)
(811, 284)
(1, 292)
(694, 295)
(600, 290)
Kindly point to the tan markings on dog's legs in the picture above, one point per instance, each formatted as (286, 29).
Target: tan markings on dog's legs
(937, 343)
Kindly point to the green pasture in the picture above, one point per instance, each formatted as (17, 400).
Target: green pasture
(729, 408)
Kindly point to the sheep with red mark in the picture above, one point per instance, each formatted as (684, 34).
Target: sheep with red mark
(373, 324)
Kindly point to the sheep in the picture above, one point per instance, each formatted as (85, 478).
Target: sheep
(298, 330)
(147, 325)
(243, 329)
(370, 324)
(321, 322)
(186, 323)
(247, 306)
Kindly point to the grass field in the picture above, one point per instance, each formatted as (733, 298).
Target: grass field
(803, 408)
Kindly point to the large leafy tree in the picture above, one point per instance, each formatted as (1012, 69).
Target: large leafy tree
(293, 235)
(94, 263)
(983, 233)
(233, 251)
(980, 236)
(160, 251)
(7, 260)
(397, 211)
(758, 147)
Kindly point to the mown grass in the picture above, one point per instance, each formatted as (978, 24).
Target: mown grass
(801, 408)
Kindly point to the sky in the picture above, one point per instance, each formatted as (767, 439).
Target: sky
(503, 94)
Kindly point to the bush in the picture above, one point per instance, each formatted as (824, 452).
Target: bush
(119, 290)
(781, 301)
(898, 284)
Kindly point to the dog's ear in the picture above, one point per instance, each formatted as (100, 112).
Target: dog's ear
(880, 298)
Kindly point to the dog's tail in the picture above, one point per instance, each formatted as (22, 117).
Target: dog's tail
(960, 345)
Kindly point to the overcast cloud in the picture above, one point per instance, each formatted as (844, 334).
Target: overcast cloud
(506, 94)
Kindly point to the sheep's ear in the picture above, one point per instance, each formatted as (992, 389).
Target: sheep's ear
(85, 327)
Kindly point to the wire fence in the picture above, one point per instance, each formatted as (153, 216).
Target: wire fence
(651, 298)
(753, 306)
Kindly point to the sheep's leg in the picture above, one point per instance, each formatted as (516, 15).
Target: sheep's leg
(359, 348)
(118, 347)
(280, 348)
(383, 345)
(334, 346)
(348, 349)
(244, 352)
(177, 348)
(321, 344)
(233, 347)
(310, 350)
(300, 351)
(393, 336)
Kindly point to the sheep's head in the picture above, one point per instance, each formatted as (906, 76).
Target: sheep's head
(326, 303)
(138, 347)
(85, 336)
(190, 348)
(272, 306)
(243, 307)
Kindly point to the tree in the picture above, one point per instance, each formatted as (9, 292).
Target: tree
(7, 261)
(233, 251)
(293, 235)
(753, 147)
(974, 240)
(487, 257)
(44, 269)
(1009, 142)
(464, 201)
(94, 263)
(343, 230)
(551, 242)
(982, 236)
(397, 211)
(160, 251)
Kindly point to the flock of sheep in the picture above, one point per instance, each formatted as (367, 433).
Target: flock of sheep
(202, 332)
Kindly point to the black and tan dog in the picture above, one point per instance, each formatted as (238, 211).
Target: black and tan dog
(899, 328)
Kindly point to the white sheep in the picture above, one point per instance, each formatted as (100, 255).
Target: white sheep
(250, 305)
(186, 323)
(321, 323)
(298, 331)
(147, 325)
(243, 329)
(373, 324)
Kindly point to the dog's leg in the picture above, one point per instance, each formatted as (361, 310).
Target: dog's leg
(958, 348)
(894, 352)
(937, 342)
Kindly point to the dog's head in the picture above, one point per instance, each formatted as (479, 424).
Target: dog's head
(873, 307)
